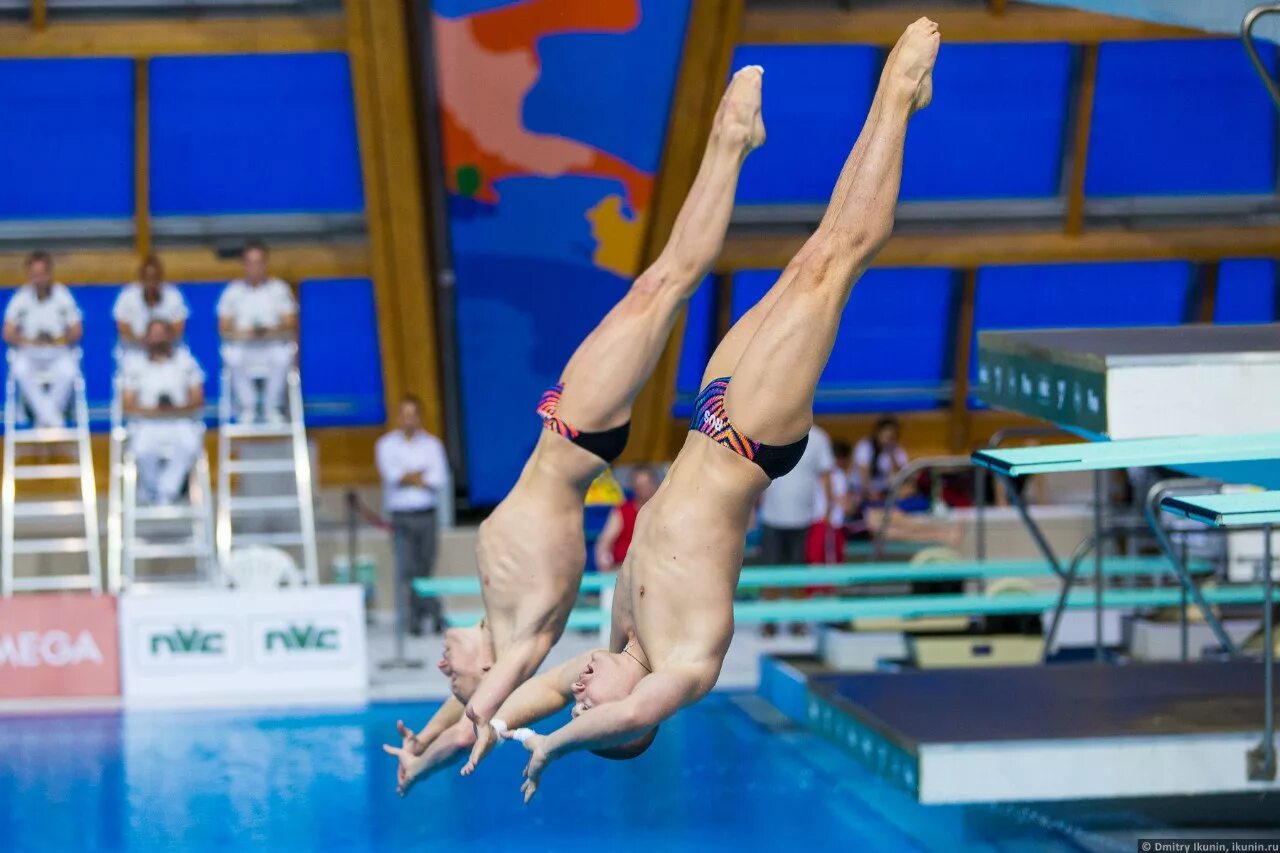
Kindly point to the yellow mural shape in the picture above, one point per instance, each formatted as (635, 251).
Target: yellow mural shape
(617, 236)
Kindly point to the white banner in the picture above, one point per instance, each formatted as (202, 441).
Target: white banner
(230, 643)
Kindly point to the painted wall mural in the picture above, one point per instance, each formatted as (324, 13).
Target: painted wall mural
(549, 172)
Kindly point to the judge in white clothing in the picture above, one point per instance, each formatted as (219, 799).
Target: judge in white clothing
(164, 400)
(42, 327)
(149, 298)
(258, 321)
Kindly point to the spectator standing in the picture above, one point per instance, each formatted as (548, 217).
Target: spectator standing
(147, 299)
(877, 459)
(163, 397)
(788, 507)
(615, 538)
(42, 326)
(414, 471)
(827, 533)
(258, 321)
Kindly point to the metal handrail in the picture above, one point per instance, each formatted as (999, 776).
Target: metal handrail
(910, 471)
(998, 438)
(1246, 36)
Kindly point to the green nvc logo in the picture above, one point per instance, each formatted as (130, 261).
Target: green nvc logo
(305, 637)
(188, 641)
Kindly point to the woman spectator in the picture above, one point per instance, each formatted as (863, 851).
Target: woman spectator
(877, 459)
(615, 538)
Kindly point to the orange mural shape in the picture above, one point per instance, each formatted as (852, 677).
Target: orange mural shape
(488, 64)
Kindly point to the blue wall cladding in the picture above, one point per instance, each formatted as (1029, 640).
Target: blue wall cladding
(254, 134)
(66, 140)
(996, 126)
(1246, 292)
(340, 359)
(1181, 117)
(990, 133)
(816, 98)
(892, 350)
(695, 347)
(1047, 296)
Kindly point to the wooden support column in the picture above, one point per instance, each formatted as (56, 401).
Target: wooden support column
(39, 15)
(997, 7)
(141, 157)
(724, 304)
(378, 47)
(1080, 140)
(961, 419)
(1208, 292)
(709, 41)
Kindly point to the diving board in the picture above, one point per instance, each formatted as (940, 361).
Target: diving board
(853, 574)
(843, 609)
(1130, 453)
(1247, 509)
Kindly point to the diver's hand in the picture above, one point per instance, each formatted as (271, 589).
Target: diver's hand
(411, 742)
(408, 770)
(487, 738)
(539, 758)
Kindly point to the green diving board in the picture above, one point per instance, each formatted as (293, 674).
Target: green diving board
(847, 574)
(912, 606)
(1245, 509)
(1130, 453)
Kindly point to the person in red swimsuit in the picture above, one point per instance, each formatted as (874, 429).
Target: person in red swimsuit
(615, 538)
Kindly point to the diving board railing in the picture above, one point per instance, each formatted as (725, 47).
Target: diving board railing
(1246, 35)
(1096, 457)
(910, 472)
(1252, 510)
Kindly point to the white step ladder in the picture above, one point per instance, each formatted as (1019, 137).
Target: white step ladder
(138, 533)
(71, 442)
(293, 458)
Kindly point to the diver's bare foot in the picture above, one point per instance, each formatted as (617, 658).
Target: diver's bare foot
(911, 62)
(738, 122)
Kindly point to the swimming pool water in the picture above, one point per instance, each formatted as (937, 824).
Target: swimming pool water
(281, 780)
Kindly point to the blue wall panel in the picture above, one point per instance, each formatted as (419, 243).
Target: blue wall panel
(1181, 117)
(989, 133)
(996, 126)
(1246, 292)
(340, 359)
(695, 348)
(891, 352)
(253, 134)
(815, 99)
(66, 138)
(1051, 296)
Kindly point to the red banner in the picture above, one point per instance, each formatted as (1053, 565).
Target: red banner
(59, 645)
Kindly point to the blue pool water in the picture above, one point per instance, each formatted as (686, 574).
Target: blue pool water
(716, 779)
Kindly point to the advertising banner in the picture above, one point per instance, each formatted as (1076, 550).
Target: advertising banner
(58, 644)
(233, 643)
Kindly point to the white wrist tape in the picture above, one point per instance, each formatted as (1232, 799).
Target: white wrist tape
(504, 733)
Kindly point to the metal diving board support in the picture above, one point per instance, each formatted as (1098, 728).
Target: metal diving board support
(1096, 457)
(1253, 510)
